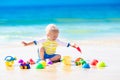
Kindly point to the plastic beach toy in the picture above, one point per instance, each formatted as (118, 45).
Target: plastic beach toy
(67, 60)
(49, 62)
(94, 62)
(43, 63)
(101, 64)
(40, 66)
(10, 58)
(31, 61)
(24, 65)
(82, 62)
(77, 61)
(9, 61)
(78, 48)
(86, 65)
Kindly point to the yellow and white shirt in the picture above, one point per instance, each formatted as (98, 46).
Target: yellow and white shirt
(50, 46)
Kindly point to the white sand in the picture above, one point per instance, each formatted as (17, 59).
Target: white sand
(107, 50)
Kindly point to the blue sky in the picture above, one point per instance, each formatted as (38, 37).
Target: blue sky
(54, 2)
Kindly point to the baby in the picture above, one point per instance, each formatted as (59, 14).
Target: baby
(49, 45)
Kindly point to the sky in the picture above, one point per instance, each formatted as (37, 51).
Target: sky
(54, 2)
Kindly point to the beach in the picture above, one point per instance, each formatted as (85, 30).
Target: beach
(94, 27)
(106, 50)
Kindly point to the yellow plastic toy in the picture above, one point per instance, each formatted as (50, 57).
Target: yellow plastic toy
(67, 60)
(9, 61)
(43, 63)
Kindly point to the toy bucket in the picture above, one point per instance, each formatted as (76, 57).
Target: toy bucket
(67, 60)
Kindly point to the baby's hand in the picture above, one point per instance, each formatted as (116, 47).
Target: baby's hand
(74, 45)
(24, 43)
(77, 47)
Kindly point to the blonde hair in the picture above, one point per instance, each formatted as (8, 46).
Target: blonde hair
(51, 28)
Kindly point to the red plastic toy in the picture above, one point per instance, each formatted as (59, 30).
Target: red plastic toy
(31, 61)
(77, 47)
(94, 62)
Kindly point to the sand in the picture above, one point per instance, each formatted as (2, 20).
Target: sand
(106, 50)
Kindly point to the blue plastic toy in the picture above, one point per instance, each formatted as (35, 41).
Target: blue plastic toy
(86, 65)
(9, 61)
(10, 58)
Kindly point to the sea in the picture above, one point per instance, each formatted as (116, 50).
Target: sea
(76, 22)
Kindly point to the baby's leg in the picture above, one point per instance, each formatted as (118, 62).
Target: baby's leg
(56, 58)
(41, 53)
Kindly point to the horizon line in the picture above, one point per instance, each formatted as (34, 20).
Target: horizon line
(86, 4)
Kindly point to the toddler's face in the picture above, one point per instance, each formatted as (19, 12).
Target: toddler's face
(52, 35)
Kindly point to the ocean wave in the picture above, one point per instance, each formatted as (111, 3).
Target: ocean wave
(68, 31)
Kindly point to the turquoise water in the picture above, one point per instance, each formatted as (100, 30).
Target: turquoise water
(75, 22)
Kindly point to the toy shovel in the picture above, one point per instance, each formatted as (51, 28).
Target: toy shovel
(77, 47)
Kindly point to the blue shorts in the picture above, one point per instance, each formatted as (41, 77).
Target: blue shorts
(46, 56)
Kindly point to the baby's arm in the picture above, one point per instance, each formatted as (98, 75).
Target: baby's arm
(69, 44)
(28, 44)
(33, 42)
(66, 44)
